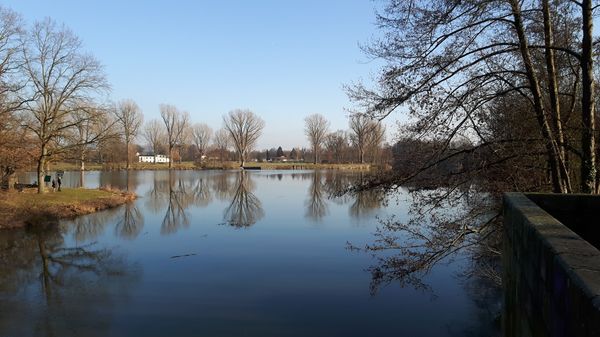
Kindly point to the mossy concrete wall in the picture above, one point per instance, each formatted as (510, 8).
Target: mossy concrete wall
(551, 275)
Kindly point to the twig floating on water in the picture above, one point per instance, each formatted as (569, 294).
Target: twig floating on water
(184, 255)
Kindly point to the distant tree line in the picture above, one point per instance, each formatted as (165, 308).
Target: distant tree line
(55, 106)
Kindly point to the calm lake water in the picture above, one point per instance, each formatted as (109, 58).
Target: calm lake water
(213, 253)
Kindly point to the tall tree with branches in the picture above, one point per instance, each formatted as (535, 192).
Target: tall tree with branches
(62, 79)
(130, 118)
(449, 62)
(364, 130)
(221, 143)
(154, 134)
(483, 85)
(92, 126)
(15, 151)
(244, 128)
(336, 144)
(201, 135)
(176, 124)
(316, 128)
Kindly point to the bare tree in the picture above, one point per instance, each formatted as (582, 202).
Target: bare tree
(244, 128)
(15, 149)
(92, 126)
(154, 134)
(514, 79)
(62, 79)
(588, 134)
(336, 143)
(130, 119)
(201, 135)
(316, 129)
(176, 123)
(222, 142)
(361, 127)
(375, 140)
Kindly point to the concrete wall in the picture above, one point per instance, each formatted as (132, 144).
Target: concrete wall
(551, 276)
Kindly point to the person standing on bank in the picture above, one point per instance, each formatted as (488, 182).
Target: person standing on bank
(53, 185)
(59, 181)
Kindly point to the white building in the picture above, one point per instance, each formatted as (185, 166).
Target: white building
(150, 158)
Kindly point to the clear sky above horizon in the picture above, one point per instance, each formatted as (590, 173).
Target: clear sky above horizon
(284, 60)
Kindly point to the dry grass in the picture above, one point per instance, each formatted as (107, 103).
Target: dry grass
(18, 209)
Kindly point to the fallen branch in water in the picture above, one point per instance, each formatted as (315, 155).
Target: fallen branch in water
(185, 255)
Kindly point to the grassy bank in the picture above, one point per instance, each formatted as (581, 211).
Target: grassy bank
(18, 209)
(211, 165)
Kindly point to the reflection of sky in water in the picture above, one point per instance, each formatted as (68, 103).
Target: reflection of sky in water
(266, 257)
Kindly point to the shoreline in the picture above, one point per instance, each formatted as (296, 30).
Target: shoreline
(71, 167)
(27, 208)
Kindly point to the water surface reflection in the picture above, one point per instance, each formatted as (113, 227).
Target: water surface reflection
(49, 287)
(244, 209)
(219, 253)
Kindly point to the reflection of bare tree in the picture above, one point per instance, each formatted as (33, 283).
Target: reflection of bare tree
(336, 184)
(316, 206)
(245, 208)
(366, 202)
(175, 214)
(119, 179)
(89, 227)
(200, 192)
(173, 192)
(131, 181)
(408, 249)
(55, 290)
(301, 176)
(131, 223)
(157, 196)
(223, 186)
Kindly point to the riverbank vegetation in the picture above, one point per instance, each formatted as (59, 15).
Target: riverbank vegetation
(499, 96)
(19, 209)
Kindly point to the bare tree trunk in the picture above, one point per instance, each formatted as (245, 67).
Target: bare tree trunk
(40, 170)
(170, 157)
(534, 84)
(10, 180)
(82, 162)
(588, 152)
(361, 155)
(128, 165)
(45, 269)
(554, 97)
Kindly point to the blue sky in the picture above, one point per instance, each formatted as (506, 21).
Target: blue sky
(284, 60)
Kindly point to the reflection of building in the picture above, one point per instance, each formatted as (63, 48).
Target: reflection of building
(152, 158)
